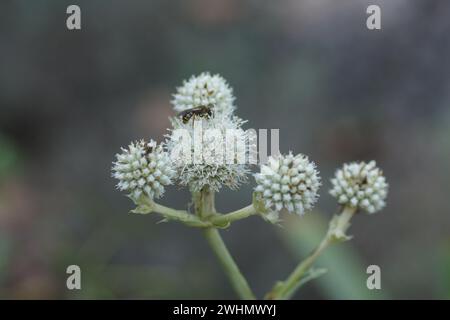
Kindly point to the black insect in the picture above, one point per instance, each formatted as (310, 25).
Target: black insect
(364, 181)
(200, 111)
(148, 148)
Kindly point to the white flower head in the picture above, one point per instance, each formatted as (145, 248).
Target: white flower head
(209, 153)
(360, 185)
(143, 169)
(205, 90)
(289, 182)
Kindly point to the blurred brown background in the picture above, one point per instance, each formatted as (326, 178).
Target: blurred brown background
(337, 91)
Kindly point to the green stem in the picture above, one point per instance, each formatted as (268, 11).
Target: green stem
(285, 289)
(237, 280)
(179, 215)
(224, 219)
(205, 207)
(336, 232)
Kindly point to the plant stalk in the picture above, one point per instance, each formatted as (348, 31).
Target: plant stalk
(179, 215)
(336, 232)
(225, 219)
(206, 208)
(235, 276)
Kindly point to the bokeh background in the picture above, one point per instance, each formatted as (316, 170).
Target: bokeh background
(337, 91)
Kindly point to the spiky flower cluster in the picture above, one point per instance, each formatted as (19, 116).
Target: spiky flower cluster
(143, 168)
(207, 148)
(204, 89)
(289, 182)
(206, 162)
(212, 156)
(360, 185)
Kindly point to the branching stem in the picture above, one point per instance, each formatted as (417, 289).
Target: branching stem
(180, 215)
(336, 233)
(225, 219)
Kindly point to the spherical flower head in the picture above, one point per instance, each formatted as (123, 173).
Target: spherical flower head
(205, 90)
(289, 182)
(209, 153)
(360, 185)
(143, 169)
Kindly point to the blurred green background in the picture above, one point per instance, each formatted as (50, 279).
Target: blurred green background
(337, 92)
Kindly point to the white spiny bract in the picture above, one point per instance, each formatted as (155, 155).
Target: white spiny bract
(360, 185)
(201, 156)
(143, 169)
(204, 90)
(289, 182)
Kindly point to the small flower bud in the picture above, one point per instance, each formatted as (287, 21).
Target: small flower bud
(143, 169)
(360, 185)
(289, 182)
